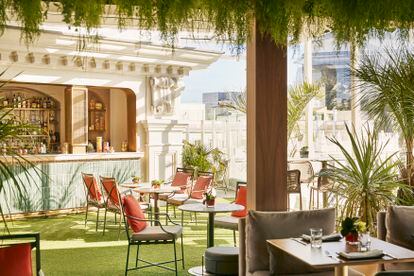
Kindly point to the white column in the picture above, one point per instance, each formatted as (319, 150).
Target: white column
(307, 76)
(355, 109)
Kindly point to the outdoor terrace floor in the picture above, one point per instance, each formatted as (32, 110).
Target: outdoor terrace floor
(70, 248)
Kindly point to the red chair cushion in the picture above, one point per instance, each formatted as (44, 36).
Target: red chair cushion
(181, 180)
(16, 260)
(201, 185)
(132, 208)
(241, 199)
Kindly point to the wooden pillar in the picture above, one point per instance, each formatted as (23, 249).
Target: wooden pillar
(266, 123)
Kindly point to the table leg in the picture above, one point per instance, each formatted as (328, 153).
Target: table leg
(325, 182)
(156, 210)
(341, 271)
(210, 233)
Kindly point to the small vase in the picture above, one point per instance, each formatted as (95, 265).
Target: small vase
(210, 202)
(352, 238)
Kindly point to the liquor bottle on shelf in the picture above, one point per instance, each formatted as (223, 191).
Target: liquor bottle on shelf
(44, 103)
(5, 102)
(19, 101)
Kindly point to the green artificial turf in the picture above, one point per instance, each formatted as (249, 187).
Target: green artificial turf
(70, 248)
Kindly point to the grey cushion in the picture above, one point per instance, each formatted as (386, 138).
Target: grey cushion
(396, 273)
(152, 233)
(262, 226)
(180, 199)
(400, 228)
(381, 228)
(222, 260)
(351, 272)
(227, 222)
(222, 253)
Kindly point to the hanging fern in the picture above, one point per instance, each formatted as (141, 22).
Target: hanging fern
(349, 20)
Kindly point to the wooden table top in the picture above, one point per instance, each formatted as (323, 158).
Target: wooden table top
(327, 257)
(218, 208)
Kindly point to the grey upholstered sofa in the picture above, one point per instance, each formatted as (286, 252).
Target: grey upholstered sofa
(257, 227)
(396, 226)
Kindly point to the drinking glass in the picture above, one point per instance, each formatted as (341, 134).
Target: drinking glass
(364, 241)
(316, 237)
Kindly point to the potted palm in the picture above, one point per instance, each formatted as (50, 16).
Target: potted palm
(364, 182)
(387, 95)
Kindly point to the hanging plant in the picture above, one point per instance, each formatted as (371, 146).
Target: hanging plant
(230, 20)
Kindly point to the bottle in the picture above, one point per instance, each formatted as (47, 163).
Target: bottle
(24, 102)
(44, 103)
(39, 104)
(19, 101)
(14, 101)
(48, 104)
(5, 102)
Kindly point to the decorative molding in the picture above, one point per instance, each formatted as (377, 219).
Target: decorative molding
(164, 92)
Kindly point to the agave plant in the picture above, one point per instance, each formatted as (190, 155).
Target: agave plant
(364, 182)
(387, 86)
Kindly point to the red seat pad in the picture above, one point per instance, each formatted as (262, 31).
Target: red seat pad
(181, 179)
(241, 199)
(16, 260)
(201, 185)
(132, 208)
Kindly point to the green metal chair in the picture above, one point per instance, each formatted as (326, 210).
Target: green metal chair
(21, 239)
(157, 234)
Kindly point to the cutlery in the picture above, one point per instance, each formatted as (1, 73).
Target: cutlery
(389, 255)
(328, 254)
(299, 241)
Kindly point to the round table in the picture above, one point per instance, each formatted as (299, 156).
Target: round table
(201, 208)
(155, 193)
(218, 208)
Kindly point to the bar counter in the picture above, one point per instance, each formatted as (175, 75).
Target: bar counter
(38, 158)
(55, 181)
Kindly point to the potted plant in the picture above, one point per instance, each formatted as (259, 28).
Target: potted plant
(351, 228)
(136, 179)
(364, 182)
(210, 197)
(304, 152)
(156, 184)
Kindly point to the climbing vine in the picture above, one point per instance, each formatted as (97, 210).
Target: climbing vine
(349, 20)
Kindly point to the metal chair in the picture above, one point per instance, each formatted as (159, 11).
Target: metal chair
(323, 186)
(307, 173)
(33, 243)
(293, 186)
(202, 184)
(93, 196)
(158, 234)
(230, 222)
(113, 202)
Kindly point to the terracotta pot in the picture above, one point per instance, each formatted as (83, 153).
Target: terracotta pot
(210, 202)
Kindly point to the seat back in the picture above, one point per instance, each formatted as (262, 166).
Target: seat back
(293, 181)
(241, 199)
(306, 170)
(110, 188)
(261, 226)
(182, 179)
(17, 257)
(203, 183)
(91, 187)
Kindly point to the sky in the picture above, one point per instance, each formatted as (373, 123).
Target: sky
(223, 75)
(228, 74)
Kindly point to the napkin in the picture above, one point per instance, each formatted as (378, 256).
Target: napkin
(375, 253)
(327, 238)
